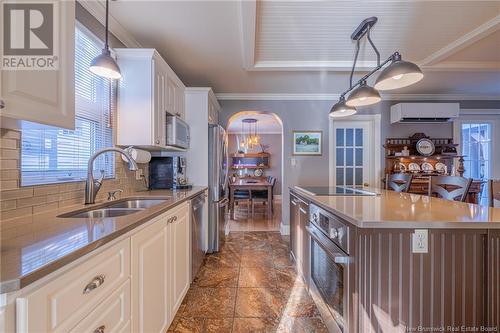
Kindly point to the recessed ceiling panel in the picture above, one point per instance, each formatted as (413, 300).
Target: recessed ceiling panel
(319, 31)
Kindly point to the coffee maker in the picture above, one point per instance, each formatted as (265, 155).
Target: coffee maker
(167, 172)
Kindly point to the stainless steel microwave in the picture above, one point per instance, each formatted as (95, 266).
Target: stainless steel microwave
(177, 132)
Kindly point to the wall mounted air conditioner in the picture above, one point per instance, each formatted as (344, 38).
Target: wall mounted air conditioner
(424, 112)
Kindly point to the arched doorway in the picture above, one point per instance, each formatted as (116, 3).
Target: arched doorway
(255, 141)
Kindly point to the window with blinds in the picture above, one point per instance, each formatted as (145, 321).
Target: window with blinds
(55, 155)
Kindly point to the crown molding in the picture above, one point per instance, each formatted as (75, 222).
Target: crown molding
(334, 97)
(469, 38)
(464, 66)
(97, 9)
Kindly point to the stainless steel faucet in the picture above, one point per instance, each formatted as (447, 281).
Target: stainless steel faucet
(92, 186)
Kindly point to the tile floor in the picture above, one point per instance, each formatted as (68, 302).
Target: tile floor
(243, 221)
(249, 286)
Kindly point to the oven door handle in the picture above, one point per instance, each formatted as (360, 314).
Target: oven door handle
(337, 256)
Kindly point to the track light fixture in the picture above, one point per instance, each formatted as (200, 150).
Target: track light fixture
(398, 74)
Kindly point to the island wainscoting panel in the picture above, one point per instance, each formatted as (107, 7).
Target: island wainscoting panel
(401, 291)
(494, 278)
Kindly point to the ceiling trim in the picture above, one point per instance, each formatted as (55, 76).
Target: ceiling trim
(248, 20)
(469, 38)
(463, 66)
(97, 9)
(341, 66)
(334, 97)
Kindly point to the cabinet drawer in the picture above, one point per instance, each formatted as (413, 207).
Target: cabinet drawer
(112, 315)
(63, 302)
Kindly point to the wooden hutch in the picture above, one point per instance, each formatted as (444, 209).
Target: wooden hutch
(241, 162)
(445, 153)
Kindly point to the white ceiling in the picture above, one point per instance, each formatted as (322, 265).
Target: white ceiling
(285, 47)
(267, 123)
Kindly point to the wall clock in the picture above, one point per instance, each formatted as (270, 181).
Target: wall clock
(425, 147)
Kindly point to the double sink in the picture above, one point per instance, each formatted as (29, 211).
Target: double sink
(116, 208)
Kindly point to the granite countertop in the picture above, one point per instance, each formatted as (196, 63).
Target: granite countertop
(389, 209)
(40, 244)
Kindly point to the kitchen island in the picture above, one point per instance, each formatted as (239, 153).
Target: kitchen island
(410, 262)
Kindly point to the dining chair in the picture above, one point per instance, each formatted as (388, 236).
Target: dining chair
(261, 196)
(242, 196)
(494, 192)
(399, 182)
(450, 187)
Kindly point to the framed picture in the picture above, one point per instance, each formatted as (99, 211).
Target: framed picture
(308, 143)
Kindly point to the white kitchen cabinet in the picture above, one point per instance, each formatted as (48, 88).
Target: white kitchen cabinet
(160, 270)
(179, 257)
(59, 305)
(202, 109)
(149, 89)
(150, 269)
(43, 96)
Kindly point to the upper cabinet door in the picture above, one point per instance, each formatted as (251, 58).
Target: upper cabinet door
(45, 96)
(160, 103)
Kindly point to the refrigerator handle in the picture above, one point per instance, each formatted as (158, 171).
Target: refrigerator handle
(226, 151)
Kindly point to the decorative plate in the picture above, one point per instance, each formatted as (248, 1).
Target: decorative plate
(425, 147)
(440, 167)
(258, 173)
(414, 167)
(402, 167)
(427, 167)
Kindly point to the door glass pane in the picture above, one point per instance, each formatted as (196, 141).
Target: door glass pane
(358, 176)
(349, 137)
(359, 156)
(340, 176)
(340, 137)
(349, 156)
(339, 157)
(359, 137)
(349, 176)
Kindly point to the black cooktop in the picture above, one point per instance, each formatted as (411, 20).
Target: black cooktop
(336, 190)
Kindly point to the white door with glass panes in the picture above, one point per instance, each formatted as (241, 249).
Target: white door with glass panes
(353, 153)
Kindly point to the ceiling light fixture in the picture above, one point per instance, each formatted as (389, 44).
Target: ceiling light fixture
(398, 74)
(340, 109)
(104, 65)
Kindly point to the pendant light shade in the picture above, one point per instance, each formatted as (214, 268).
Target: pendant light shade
(363, 95)
(398, 74)
(340, 109)
(104, 65)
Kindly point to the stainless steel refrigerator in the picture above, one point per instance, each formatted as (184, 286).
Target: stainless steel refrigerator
(218, 176)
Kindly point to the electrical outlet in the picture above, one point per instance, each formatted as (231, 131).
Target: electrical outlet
(138, 174)
(420, 241)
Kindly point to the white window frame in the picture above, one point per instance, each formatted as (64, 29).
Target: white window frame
(491, 116)
(100, 44)
(374, 156)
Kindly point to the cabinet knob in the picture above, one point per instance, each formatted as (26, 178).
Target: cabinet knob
(95, 283)
(157, 141)
(100, 329)
(2, 104)
(172, 219)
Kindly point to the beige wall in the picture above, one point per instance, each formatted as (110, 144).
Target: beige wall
(275, 149)
(19, 201)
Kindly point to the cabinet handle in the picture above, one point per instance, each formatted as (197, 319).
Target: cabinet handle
(2, 104)
(294, 202)
(100, 329)
(95, 283)
(302, 210)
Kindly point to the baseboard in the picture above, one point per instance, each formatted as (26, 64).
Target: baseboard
(284, 229)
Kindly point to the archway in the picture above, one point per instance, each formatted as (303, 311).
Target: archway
(256, 154)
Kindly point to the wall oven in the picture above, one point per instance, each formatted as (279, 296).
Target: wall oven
(330, 267)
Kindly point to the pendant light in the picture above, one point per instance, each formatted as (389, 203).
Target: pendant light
(398, 74)
(104, 65)
(363, 95)
(340, 109)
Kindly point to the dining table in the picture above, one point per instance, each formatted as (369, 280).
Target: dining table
(251, 184)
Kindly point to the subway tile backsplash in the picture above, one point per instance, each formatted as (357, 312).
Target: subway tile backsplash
(16, 201)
